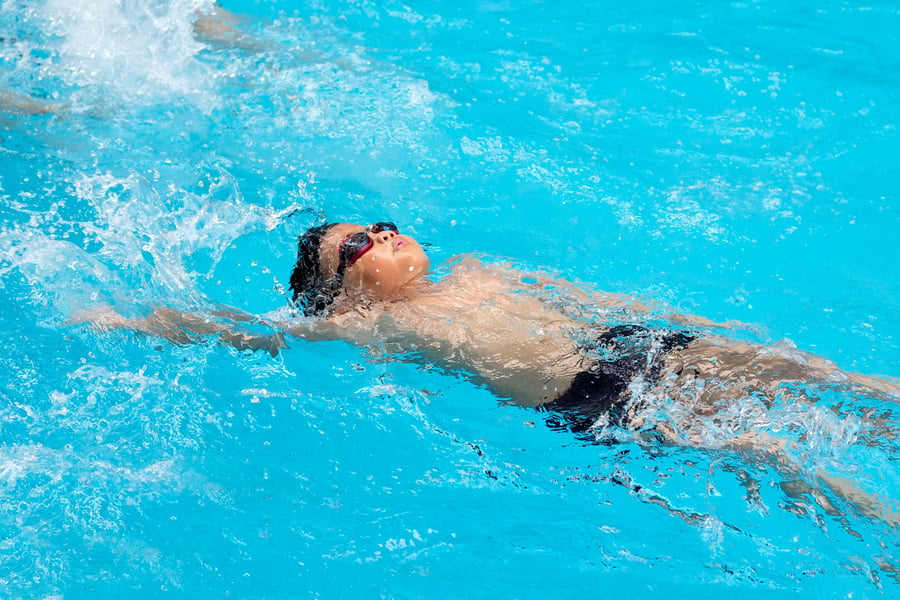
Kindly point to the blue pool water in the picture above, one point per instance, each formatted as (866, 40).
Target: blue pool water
(733, 160)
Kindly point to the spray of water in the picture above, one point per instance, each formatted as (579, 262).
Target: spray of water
(137, 51)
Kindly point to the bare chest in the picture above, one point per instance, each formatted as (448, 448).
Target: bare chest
(515, 346)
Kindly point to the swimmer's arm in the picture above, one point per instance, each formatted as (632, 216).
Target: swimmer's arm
(494, 278)
(314, 331)
(513, 279)
(351, 327)
(609, 300)
(181, 328)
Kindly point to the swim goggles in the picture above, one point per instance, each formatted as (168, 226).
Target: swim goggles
(357, 244)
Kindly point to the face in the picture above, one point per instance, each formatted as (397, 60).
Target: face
(392, 261)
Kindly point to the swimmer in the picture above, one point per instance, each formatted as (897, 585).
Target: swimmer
(588, 362)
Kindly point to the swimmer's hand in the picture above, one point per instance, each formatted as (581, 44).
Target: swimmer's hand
(13, 102)
(220, 27)
(271, 343)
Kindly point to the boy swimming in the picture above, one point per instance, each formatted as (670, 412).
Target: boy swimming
(516, 333)
(595, 364)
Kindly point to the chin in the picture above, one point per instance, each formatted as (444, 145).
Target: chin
(417, 269)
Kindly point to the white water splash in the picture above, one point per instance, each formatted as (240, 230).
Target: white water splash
(137, 50)
(138, 246)
(61, 275)
(140, 228)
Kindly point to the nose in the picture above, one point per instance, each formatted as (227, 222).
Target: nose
(384, 236)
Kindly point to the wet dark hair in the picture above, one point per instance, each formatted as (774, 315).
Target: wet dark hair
(313, 294)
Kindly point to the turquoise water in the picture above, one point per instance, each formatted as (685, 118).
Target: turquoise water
(737, 161)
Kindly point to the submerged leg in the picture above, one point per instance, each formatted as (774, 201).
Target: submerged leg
(775, 453)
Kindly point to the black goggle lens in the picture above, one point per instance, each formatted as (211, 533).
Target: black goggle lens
(383, 226)
(355, 245)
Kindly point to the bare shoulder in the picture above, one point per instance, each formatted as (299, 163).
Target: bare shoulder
(472, 270)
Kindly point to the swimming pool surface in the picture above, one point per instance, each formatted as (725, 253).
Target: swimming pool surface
(733, 160)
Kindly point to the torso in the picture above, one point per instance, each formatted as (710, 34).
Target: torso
(485, 325)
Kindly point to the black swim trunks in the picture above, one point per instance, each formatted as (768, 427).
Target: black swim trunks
(625, 352)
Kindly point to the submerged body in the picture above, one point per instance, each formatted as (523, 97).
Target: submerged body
(536, 342)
